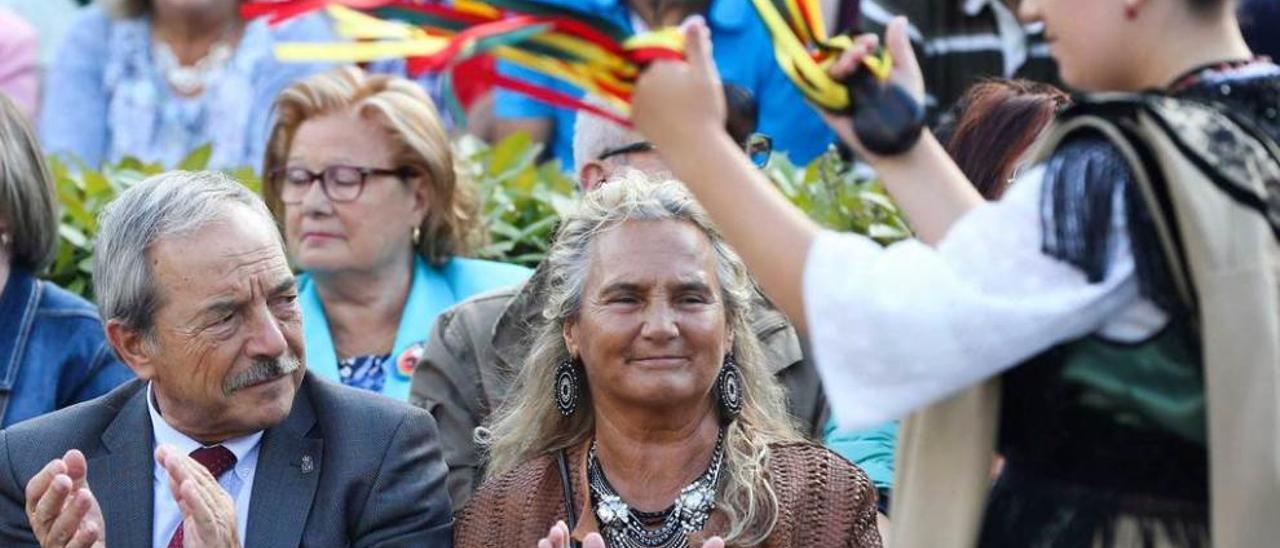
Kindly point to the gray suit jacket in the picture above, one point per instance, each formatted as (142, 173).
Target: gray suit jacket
(345, 468)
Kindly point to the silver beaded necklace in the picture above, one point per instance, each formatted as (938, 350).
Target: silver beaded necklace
(625, 527)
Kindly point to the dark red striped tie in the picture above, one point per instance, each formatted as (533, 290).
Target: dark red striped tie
(218, 460)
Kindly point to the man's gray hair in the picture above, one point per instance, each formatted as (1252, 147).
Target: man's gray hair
(593, 134)
(162, 206)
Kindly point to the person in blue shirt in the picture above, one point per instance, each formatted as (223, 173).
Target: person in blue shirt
(53, 351)
(743, 52)
(872, 450)
(155, 79)
(360, 174)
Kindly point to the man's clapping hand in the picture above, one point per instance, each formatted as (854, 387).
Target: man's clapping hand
(62, 510)
(208, 513)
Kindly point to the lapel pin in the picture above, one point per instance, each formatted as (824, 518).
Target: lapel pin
(307, 465)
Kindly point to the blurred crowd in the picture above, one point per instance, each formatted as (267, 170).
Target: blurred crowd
(678, 369)
(155, 79)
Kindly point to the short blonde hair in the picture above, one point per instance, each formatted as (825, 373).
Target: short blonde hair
(27, 203)
(408, 115)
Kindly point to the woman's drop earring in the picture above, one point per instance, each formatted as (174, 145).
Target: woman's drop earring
(568, 386)
(729, 389)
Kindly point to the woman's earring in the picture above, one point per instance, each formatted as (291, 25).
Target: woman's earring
(729, 389)
(568, 386)
(417, 235)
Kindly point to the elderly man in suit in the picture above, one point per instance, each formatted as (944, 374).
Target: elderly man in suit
(225, 437)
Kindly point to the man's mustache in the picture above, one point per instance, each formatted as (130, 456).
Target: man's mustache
(264, 369)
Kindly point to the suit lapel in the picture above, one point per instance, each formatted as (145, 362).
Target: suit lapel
(122, 477)
(284, 485)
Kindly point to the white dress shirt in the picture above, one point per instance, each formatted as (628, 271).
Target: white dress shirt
(894, 329)
(238, 481)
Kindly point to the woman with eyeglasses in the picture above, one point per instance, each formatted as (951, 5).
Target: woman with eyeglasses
(361, 176)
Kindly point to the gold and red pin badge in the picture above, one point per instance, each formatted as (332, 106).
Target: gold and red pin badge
(409, 358)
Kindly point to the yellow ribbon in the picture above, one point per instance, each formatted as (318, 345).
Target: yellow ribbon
(358, 25)
(799, 65)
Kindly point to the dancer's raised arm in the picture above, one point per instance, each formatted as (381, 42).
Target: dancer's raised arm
(680, 108)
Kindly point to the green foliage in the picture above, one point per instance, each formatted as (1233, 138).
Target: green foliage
(521, 201)
(83, 192)
(838, 198)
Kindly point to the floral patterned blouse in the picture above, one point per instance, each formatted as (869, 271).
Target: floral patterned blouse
(367, 372)
(106, 99)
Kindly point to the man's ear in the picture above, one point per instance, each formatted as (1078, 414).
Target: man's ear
(591, 176)
(133, 347)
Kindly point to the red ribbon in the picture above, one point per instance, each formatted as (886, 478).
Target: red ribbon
(555, 98)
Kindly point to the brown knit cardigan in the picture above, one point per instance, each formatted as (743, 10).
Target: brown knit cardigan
(823, 500)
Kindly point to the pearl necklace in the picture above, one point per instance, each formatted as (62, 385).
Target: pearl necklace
(190, 80)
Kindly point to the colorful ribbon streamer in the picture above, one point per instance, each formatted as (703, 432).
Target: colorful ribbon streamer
(805, 51)
(586, 52)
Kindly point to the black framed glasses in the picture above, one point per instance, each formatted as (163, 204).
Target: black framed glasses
(339, 183)
(630, 148)
(759, 147)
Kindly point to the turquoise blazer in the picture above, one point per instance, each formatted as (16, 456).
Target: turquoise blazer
(434, 289)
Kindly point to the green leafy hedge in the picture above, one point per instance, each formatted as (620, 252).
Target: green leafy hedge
(839, 198)
(83, 192)
(522, 201)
